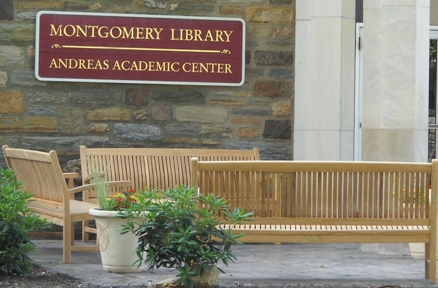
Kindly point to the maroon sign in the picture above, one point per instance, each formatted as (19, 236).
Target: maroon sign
(91, 47)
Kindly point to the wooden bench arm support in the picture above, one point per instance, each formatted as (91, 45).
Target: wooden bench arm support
(69, 178)
(111, 184)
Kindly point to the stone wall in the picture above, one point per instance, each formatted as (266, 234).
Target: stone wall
(61, 116)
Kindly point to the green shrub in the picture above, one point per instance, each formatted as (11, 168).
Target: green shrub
(16, 220)
(178, 228)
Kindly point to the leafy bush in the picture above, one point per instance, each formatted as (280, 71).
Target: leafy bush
(180, 230)
(16, 220)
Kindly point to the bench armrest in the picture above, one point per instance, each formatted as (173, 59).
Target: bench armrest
(111, 184)
(69, 178)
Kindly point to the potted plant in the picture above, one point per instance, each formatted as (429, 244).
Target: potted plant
(117, 250)
(181, 230)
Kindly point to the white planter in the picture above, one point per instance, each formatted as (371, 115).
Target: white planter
(417, 250)
(117, 251)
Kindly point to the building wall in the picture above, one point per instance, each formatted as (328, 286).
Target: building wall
(61, 116)
(433, 13)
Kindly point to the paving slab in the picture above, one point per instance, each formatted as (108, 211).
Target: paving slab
(259, 265)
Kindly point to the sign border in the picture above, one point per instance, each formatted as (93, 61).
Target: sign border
(37, 38)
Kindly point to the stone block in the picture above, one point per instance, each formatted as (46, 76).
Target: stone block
(250, 111)
(272, 89)
(112, 113)
(141, 114)
(162, 113)
(3, 78)
(76, 6)
(215, 131)
(28, 124)
(227, 102)
(194, 9)
(210, 142)
(152, 4)
(231, 9)
(11, 102)
(273, 58)
(26, 78)
(137, 131)
(181, 130)
(136, 97)
(99, 128)
(101, 97)
(182, 142)
(286, 31)
(42, 110)
(282, 108)
(260, 14)
(277, 129)
(39, 5)
(49, 97)
(72, 120)
(246, 132)
(247, 121)
(11, 55)
(280, 73)
(179, 96)
(200, 114)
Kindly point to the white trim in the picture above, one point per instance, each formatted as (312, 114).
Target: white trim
(358, 96)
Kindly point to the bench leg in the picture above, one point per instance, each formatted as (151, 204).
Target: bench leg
(432, 262)
(85, 234)
(427, 260)
(66, 243)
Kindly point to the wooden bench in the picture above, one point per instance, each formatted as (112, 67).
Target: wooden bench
(329, 202)
(40, 174)
(152, 167)
(161, 168)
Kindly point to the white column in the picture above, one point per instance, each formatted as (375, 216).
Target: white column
(324, 80)
(395, 85)
(395, 80)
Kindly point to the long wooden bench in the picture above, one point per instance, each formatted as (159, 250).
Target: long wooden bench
(329, 202)
(161, 168)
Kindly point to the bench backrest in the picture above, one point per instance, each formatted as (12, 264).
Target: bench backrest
(152, 167)
(323, 190)
(40, 174)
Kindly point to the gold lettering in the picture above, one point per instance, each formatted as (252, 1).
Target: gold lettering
(105, 34)
(173, 35)
(194, 67)
(119, 31)
(81, 64)
(71, 28)
(54, 31)
(116, 66)
(127, 34)
(53, 64)
(187, 70)
(158, 32)
(64, 63)
(123, 65)
(93, 31)
(173, 68)
(139, 33)
(82, 30)
(228, 34)
(219, 36)
(209, 36)
(228, 68)
(189, 35)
